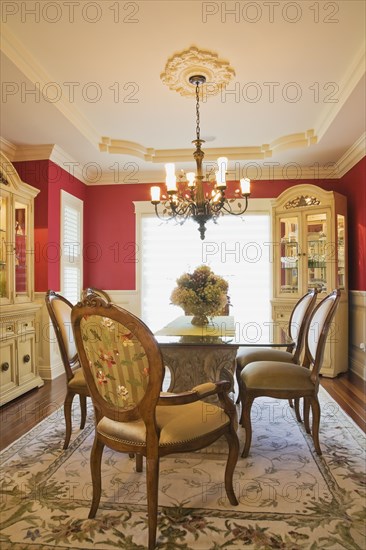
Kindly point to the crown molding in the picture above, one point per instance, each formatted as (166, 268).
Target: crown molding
(256, 171)
(7, 148)
(352, 156)
(19, 153)
(30, 68)
(345, 88)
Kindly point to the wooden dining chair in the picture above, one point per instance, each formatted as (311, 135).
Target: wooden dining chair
(124, 370)
(296, 332)
(59, 309)
(283, 380)
(96, 291)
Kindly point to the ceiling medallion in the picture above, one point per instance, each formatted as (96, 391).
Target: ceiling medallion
(183, 65)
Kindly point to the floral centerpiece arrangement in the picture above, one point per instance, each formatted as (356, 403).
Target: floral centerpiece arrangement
(201, 294)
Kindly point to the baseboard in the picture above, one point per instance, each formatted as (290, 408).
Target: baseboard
(357, 332)
(50, 372)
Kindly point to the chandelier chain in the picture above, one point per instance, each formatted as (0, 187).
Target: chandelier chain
(197, 111)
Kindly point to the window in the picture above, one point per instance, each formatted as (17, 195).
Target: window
(71, 246)
(236, 248)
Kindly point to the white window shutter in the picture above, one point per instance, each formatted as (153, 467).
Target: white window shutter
(235, 248)
(71, 246)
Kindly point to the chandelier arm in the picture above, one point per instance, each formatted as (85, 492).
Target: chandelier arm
(181, 208)
(231, 211)
(163, 217)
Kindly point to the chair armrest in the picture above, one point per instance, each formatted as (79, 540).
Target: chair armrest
(197, 393)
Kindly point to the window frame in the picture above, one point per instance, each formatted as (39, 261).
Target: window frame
(69, 200)
(145, 208)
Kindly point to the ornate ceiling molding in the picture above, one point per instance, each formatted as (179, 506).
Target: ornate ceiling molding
(149, 154)
(193, 61)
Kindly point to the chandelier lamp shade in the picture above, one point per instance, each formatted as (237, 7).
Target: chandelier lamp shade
(192, 200)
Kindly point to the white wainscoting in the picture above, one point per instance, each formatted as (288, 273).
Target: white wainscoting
(49, 359)
(50, 364)
(357, 332)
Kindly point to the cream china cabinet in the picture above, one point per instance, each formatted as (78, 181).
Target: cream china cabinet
(18, 365)
(310, 250)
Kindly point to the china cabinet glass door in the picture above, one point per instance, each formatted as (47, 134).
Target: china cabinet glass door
(5, 240)
(319, 250)
(21, 250)
(341, 258)
(289, 250)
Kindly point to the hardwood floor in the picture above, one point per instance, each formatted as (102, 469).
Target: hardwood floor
(349, 391)
(19, 416)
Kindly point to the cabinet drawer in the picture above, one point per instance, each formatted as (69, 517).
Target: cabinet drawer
(7, 329)
(25, 325)
(7, 366)
(282, 316)
(26, 358)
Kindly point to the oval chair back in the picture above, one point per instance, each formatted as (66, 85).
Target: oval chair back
(59, 309)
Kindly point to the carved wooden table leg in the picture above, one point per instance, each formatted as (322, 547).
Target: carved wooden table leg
(190, 366)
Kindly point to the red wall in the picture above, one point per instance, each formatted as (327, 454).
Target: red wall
(110, 254)
(353, 185)
(49, 179)
(109, 238)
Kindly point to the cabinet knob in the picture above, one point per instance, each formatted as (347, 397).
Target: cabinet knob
(26, 358)
(5, 367)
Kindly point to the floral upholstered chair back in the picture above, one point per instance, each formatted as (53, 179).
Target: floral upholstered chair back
(115, 351)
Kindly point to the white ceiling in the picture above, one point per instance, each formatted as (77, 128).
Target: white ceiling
(314, 49)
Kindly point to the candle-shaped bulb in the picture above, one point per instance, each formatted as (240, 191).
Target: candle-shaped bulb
(170, 169)
(221, 174)
(245, 186)
(191, 176)
(170, 180)
(171, 183)
(155, 194)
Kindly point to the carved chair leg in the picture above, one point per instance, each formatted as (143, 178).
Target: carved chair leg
(247, 424)
(232, 459)
(307, 415)
(83, 410)
(291, 403)
(238, 379)
(139, 462)
(152, 481)
(67, 413)
(95, 467)
(315, 407)
(297, 409)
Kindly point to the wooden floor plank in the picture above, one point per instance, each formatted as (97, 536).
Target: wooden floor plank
(25, 412)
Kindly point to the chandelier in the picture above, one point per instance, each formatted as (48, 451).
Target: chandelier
(192, 200)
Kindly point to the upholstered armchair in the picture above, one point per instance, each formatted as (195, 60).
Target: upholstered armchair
(124, 371)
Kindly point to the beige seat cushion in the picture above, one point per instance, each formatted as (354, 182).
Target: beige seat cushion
(265, 375)
(249, 355)
(177, 424)
(78, 381)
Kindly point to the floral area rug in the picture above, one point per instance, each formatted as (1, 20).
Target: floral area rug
(289, 497)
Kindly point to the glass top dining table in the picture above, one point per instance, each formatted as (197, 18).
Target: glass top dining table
(222, 330)
(194, 355)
